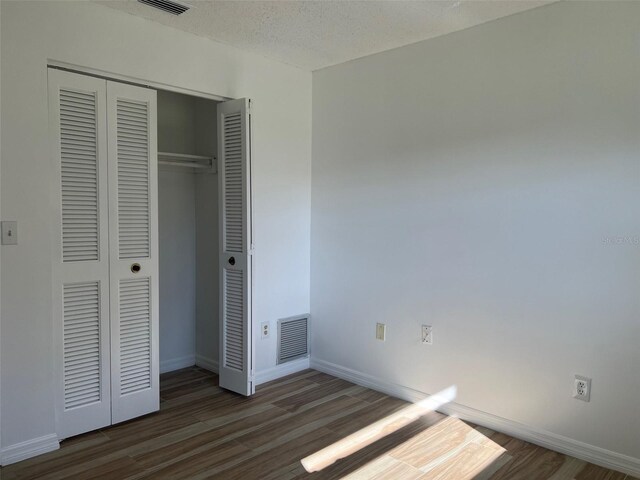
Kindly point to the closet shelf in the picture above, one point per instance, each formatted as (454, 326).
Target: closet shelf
(189, 161)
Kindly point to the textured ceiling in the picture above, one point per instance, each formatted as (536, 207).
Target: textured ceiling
(317, 33)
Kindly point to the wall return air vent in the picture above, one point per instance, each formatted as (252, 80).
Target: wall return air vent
(293, 338)
(168, 6)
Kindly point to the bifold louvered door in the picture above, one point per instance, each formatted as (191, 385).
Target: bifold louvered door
(234, 172)
(77, 119)
(133, 226)
(103, 137)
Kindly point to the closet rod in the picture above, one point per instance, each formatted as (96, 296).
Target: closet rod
(183, 164)
(186, 160)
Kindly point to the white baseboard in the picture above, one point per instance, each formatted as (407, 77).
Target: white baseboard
(273, 373)
(177, 363)
(262, 376)
(543, 438)
(30, 448)
(207, 363)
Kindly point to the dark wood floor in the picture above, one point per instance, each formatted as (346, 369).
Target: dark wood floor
(202, 432)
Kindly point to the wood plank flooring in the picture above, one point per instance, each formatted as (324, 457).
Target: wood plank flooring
(202, 431)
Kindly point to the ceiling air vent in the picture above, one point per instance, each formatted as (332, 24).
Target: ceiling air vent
(168, 6)
(293, 338)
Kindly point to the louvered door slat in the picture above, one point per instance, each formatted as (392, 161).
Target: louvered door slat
(82, 380)
(133, 179)
(79, 179)
(234, 336)
(135, 363)
(233, 188)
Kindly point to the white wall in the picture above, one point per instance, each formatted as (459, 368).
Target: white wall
(471, 182)
(91, 35)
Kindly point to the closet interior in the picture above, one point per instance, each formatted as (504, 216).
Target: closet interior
(188, 231)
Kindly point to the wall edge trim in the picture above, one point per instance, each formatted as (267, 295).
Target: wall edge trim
(207, 363)
(177, 363)
(30, 448)
(282, 370)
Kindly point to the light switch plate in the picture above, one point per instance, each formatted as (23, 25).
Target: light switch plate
(9, 232)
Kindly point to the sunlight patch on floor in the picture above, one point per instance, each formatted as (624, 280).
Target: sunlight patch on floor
(450, 449)
(378, 430)
(446, 449)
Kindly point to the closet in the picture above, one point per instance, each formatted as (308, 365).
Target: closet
(188, 231)
(152, 252)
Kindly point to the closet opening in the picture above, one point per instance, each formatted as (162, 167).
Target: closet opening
(188, 237)
(105, 255)
(152, 263)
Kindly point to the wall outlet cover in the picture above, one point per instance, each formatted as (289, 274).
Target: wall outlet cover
(9, 232)
(381, 331)
(264, 330)
(582, 388)
(427, 334)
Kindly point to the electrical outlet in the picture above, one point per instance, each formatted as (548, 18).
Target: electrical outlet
(582, 388)
(381, 331)
(264, 330)
(427, 334)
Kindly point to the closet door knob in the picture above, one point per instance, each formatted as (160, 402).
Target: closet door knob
(232, 261)
(135, 268)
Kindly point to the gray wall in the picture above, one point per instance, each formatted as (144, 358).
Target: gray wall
(207, 241)
(177, 233)
(176, 122)
(188, 211)
(207, 273)
(474, 182)
(177, 240)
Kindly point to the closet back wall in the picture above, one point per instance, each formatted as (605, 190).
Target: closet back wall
(207, 249)
(177, 234)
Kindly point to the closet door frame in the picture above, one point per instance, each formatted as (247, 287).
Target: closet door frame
(56, 67)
